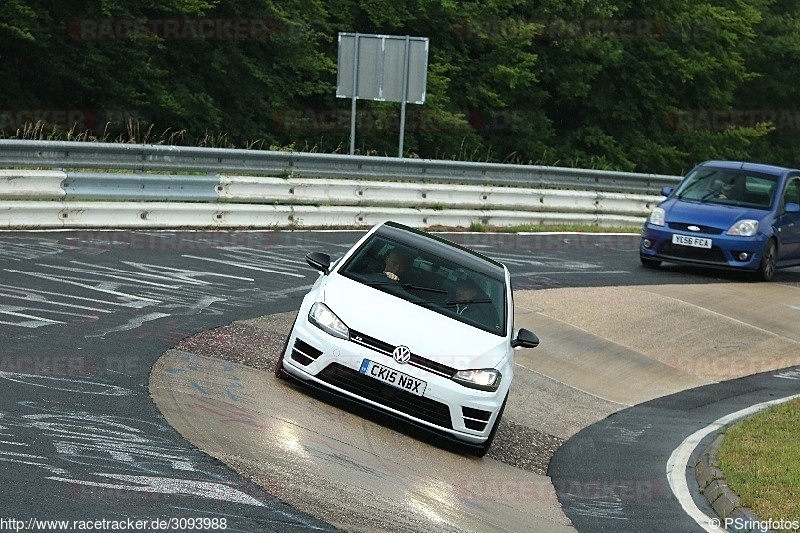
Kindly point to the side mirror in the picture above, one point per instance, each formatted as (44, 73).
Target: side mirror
(320, 261)
(525, 339)
(792, 207)
(666, 191)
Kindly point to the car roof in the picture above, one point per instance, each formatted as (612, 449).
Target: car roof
(442, 248)
(750, 167)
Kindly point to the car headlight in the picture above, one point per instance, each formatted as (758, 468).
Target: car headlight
(744, 228)
(657, 216)
(487, 379)
(321, 316)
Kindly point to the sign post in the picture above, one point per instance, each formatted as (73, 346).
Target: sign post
(384, 68)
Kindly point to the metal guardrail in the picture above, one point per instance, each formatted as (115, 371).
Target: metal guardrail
(152, 215)
(159, 158)
(426, 193)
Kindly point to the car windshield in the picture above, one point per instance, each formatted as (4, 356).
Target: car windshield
(427, 280)
(729, 187)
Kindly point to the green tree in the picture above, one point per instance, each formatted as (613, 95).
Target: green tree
(770, 95)
(620, 77)
(651, 86)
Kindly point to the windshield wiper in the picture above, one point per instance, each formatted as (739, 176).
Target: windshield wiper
(377, 283)
(468, 302)
(407, 286)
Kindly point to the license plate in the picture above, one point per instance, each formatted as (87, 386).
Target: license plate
(688, 240)
(392, 377)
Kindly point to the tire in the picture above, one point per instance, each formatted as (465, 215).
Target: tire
(649, 263)
(278, 369)
(484, 449)
(769, 260)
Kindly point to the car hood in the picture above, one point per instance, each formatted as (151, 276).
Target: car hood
(708, 214)
(427, 333)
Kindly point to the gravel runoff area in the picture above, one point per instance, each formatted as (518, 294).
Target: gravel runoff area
(257, 342)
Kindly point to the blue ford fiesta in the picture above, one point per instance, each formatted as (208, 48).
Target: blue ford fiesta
(726, 214)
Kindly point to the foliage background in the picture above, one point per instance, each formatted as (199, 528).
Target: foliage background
(649, 86)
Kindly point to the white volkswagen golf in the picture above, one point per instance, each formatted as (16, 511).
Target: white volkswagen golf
(413, 325)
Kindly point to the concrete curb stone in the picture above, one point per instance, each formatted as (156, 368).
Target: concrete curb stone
(724, 501)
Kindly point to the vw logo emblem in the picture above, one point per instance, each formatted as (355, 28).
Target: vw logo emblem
(693, 228)
(401, 354)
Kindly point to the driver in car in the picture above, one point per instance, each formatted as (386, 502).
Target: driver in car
(731, 189)
(398, 262)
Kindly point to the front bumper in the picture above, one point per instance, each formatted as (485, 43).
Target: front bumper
(726, 251)
(446, 407)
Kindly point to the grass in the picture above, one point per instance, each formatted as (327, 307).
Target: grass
(760, 458)
(134, 131)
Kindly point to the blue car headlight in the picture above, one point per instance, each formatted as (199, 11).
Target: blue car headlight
(657, 216)
(744, 228)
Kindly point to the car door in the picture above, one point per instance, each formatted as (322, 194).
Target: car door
(788, 224)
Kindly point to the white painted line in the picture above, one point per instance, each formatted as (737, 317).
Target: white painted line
(563, 272)
(534, 233)
(168, 485)
(133, 323)
(573, 387)
(239, 264)
(679, 460)
(63, 279)
(722, 315)
(33, 322)
(70, 296)
(66, 384)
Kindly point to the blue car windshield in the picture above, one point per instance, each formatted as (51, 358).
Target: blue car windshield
(729, 187)
(430, 281)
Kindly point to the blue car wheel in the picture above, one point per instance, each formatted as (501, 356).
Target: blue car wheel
(769, 258)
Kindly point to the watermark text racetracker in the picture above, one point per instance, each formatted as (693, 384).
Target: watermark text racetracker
(49, 365)
(124, 524)
(614, 490)
(173, 29)
(588, 28)
(782, 120)
(167, 241)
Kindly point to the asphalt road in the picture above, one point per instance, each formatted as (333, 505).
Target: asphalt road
(85, 315)
(83, 318)
(611, 476)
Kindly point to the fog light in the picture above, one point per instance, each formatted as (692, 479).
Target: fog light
(745, 256)
(647, 243)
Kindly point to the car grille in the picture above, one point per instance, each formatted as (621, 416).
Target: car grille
(475, 418)
(304, 353)
(416, 360)
(371, 389)
(707, 255)
(708, 230)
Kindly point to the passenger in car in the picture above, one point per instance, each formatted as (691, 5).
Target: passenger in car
(398, 262)
(472, 303)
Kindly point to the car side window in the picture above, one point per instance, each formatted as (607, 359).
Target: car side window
(792, 192)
